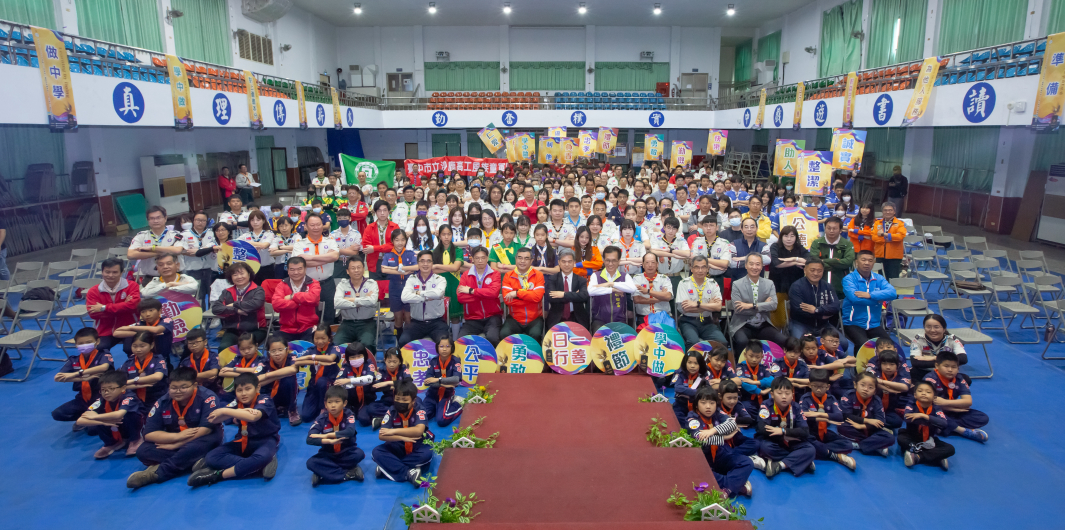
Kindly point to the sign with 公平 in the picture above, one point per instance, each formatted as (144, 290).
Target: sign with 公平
(476, 356)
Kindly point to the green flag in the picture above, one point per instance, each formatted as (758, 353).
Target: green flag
(376, 170)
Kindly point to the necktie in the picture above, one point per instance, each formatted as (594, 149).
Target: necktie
(565, 308)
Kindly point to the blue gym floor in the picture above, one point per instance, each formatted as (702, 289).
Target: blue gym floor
(51, 478)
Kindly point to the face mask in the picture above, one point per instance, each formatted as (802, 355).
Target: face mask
(276, 214)
(600, 195)
(536, 187)
(294, 218)
(86, 348)
(329, 193)
(423, 212)
(186, 226)
(316, 210)
(474, 243)
(344, 223)
(701, 232)
(788, 188)
(422, 229)
(846, 199)
(840, 213)
(401, 407)
(735, 222)
(355, 363)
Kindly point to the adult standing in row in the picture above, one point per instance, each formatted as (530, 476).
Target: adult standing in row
(888, 235)
(319, 253)
(157, 239)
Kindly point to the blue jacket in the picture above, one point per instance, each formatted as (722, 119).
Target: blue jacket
(865, 312)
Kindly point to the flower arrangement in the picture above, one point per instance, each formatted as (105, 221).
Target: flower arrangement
(463, 433)
(480, 392)
(451, 510)
(653, 398)
(707, 497)
(657, 434)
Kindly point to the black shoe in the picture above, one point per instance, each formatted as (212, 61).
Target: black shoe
(315, 480)
(414, 476)
(355, 474)
(376, 422)
(205, 477)
(199, 465)
(378, 472)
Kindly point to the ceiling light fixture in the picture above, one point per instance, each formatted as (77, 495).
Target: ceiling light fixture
(506, 8)
(731, 10)
(432, 8)
(358, 9)
(583, 8)
(658, 9)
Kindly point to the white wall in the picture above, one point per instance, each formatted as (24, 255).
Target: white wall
(699, 50)
(799, 29)
(546, 44)
(464, 43)
(313, 40)
(624, 44)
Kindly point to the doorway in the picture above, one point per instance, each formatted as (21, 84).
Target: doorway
(447, 145)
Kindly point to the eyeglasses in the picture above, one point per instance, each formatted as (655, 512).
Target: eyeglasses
(182, 388)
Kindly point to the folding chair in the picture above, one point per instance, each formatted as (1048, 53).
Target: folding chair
(957, 255)
(966, 272)
(972, 334)
(907, 286)
(25, 271)
(79, 311)
(57, 268)
(910, 308)
(968, 242)
(1049, 283)
(1036, 255)
(24, 338)
(83, 257)
(1055, 307)
(927, 275)
(1015, 308)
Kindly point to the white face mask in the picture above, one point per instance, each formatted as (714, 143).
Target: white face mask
(422, 229)
(186, 226)
(474, 243)
(846, 199)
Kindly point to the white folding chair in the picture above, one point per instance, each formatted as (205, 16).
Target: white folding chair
(971, 335)
(25, 271)
(1055, 307)
(83, 257)
(29, 338)
(910, 308)
(79, 311)
(1019, 308)
(928, 275)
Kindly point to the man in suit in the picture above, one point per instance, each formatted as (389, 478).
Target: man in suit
(567, 292)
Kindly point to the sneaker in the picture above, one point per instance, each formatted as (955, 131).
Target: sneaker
(378, 472)
(811, 468)
(131, 450)
(315, 480)
(846, 460)
(355, 474)
(142, 478)
(376, 422)
(910, 458)
(943, 464)
(976, 435)
(199, 465)
(759, 463)
(771, 468)
(294, 418)
(413, 477)
(271, 469)
(747, 489)
(107, 450)
(205, 477)
(884, 452)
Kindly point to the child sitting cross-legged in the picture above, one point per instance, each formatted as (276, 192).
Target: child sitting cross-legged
(713, 427)
(333, 432)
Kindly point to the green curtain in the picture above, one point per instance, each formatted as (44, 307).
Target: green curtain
(30, 144)
(910, 17)
(202, 34)
(1049, 149)
(1056, 22)
(630, 76)
(39, 13)
(761, 137)
(462, 75)
(823, 141)
(840, 51)
(970, 24)
(547, 75)
(130, 22)
(741, 64)
(769, 48)
(888, 145)
(955, 149)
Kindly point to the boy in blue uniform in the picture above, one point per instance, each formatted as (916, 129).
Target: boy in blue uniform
(754, 378)
(403, 455)
(82, 371)
(255, 447)
(151, 311)
(893, 383)
(955, 399)
(863, 415)
(713, 427)
(729, 393)
(248, 362)
(358, 377)
(385, 383)
(146, 370)
(821, 409)
(199, 357)
(791, 366)
(442, 377)
(325, 362)
(116, 417)
(333, 432)
(924, 420)
(278, 380)
(783, 431)
(177, 433)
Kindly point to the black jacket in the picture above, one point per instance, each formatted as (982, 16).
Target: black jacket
(577, 294)
(823, 297)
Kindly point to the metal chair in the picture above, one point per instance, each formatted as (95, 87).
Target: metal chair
(1055, 307)
(968, 242)
(958, 255)
(928, 275)
(907, 287)
(971, 334)
(1037, 255)
(25, 271)
(79, 311)
(910, 308)
(963, 271)
(1050, 283)
(1028, 269)
(83, 257)
(931, 229)
(988, 268)
(1015, 308)
(57, 268)
(30, 309)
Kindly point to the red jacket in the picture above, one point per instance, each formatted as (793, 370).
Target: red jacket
(120, 309)
(483, 302)
(371, 237)
(228, 185)
(301, 312)
(528, 305)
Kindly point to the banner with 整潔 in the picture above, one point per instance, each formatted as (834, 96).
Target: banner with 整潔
(849, 92)
(922, 91)
(491, 138)
(337, 121)
(556, 132)
(653, 145)
(548, 152)
(476, 356)
(680, 154)
(717, 142)
(418, 355)
(180, 92)
(848, 147)
(608, 139)
(800, 94)
(568, 150)
(587, 143)
(760, 118)
(466, 166)
(814, 174)
(255, 110)
(1046, 113)
(55, 77)
(803, 222)
(302, 102)
(786, 157)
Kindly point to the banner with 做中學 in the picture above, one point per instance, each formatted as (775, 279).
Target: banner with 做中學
(376, 170)
(180, 92)
(255, 109)
(55, 76)
(466, 166)
(521, 147)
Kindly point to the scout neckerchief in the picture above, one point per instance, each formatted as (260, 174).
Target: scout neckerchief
(887, 394)
(699, 292)
(247, 363)
(569, 219)
(357, 372)
(791, 367)
(381, 232)
(204, 357)
(407, 446)
(274, 367)
(754, 375)
(822, 427)
(181, 411)
(709, 423)
(336, 428)
(523, 279)
(399, 260)
(488, 236)
(86, 387)
(140, 366)
(949, 387)
(114, 428)
(443, 374)
(316, 243)
(256, 239)
(650, 286)
(669, 248)
(242, 437)
(692, 378)
(923, 429)
(785, 418)
(541, 252)
(521, 243)
(199, 237)
(717, 374)
(321, 366)
(863, 403)
(157, 240)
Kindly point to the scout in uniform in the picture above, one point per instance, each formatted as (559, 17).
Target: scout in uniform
(385, 382)
(333, 432)
(864, 418)
(954, 397)
(357, 377)
(145, 370)
(783, 431)
(157, 239)
(116, 417)
(697, 299)
(729, 393)
(249, 361)
(924, 420)
(790, 365)
(199, 357)
(151, 321)
(403, 454)
(821, 408)
(83, 371)
(893, 383)
(686, 382)
(324, 363)
(713, 427)
(754, 378)
(442, 377)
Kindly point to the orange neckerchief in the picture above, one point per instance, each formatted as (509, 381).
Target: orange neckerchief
(315, 243)
(754, 375)
(321, 367)
(181, 411)
(243, 438)
(924, 428)
(709, 423)
(358, 373)
(443, 374)
(716, 375)
(277, 384)
(783, 417)
(822, 427)
(946, 385)
(407, 446)
(791, 367)
(107, 408)
(245, 362)
(336, 429)
(864, 404)
(203, 361)
(886, 393)
(142, 392)
(86, 387)
(691, 379)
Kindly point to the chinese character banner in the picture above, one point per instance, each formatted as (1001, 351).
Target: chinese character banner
(302, 104)
(608, 139)
(716, 142)
(567, 348)
(491, 138)
(255, 110)
(568, 150)
(922, 91)
(520, 354)
(55, 77)
(588, 142)
(418, 356)
(680, 154)
(814, 172)
(848, 147)
(1050, 99)
(614, 348)
(653, 145)
(476, 356)
(786, 157)
(800, 93)
(548, 150)
(662, 348)
(760, 118)
(556, 132)
(848, 99)
(180, 91)
(337, 122)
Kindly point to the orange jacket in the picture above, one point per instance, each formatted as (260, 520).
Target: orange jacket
(591, 265)
(862, 237)
(889, 245)
(528, 304)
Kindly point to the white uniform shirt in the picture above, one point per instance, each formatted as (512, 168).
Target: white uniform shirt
(146, 240)
(565, 232)
(670, 266)
(660, 283)
(352, 239)
(266, 236)
(305, 246)
(185, 284)
(365, 301)
(719, 249)
(198, 242)
(635, 251)
(426, 299)
(281, 241)
(689, 290)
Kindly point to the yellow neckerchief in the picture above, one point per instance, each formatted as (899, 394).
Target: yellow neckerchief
(523, 279)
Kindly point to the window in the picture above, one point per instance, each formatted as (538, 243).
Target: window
(255, 47)
(638, 140)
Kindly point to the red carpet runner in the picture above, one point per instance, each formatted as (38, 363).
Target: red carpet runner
(572, 454)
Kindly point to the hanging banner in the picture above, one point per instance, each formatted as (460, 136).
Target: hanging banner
(653, 145)
(786, 157)
(758, 120)
(510, 143)
(848, 147)
(608, 139)
(491, 138)
(800, 94)
(1046, 114)
(337, 123)
(922, 91)
(302, 102)
(255, 110)
(614, 348)
(556, 132)
(568, 150)
(680, 154)
(716, 143)
(661, 349)
(814, 174)
(848, 100)
(418, 355)
(467, 166)
(803, 222)
(520, 354)
(567, 348)
(587, 142)
(55, 77)
(180, 92)
(477, 356)
(548, 150)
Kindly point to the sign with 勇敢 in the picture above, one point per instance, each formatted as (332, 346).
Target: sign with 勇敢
(520, 354)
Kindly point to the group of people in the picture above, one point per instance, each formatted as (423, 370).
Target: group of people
(515, 252)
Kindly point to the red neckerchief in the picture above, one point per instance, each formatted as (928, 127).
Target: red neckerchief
(709, 423)
(357, 372)
(716, 375)
(864, 404)
(142, 392)
(811, 362)
(107, 408)
(886, 393)
(443, 373)
(691, 379)
(791, 367)
(181, 412)
(946, 385)
(407, 446)
(315, 243)
(924, 428)
(86, 387)
(243, 434)
(754, 375)
(244, 360)
(203, 361)
(277, 384)
(321, 367)
(822, 426)
(336, 429)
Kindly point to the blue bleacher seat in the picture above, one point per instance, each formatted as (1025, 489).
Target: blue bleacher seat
(16, 34)
(1011, 71)
(981, 75)
(1023, 50)
(1033, 68)
(970, 76)
(68, 45)
(981, 57)
(28, 38)
(101, 51)
(75, 67)
(3, 34)
(1004, 53)
(1041, 48)
(953, 79)
(97, 68)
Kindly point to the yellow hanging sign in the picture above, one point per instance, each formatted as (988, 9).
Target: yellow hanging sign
(759, 119)
(608, 139)
(180, 92)
(716, 143)
(922, 91)
(255, 110)
(302, 102)
(1051, 96)
(55, 77)
(800, 93)
(336, 108)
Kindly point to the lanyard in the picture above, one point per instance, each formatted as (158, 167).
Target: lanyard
(181, 411)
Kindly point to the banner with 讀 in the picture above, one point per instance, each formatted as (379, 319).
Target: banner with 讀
(717, 142)
(608, 139)
(848, 147)
(800, 93)
(922, 91)
(759, 119)
(337, 122)
(850, 90)
(786, 157)
(255, 110)
(302, 102)
(466, 166)
(180, 92)
(568, 150)
(55, 77)
(587, 141)
(548, 150)
(1046, 114)
(815, 172)
(491, 138)
(556, 132)
(804, 224)
(680, 154)
(653, 145)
